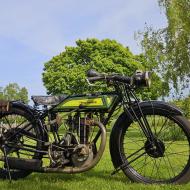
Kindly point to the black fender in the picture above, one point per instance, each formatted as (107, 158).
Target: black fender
(171, 109)
(25, 107)
(30, 110)
(161, 105)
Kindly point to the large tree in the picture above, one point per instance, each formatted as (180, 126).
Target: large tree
(169, 47)
(13, 92)
(66, 73)
(1, 93)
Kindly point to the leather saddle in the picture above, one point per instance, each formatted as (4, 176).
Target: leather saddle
(48, 100)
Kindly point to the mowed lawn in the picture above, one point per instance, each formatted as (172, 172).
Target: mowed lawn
(97, 178)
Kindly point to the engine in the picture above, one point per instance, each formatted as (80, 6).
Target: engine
(76, 147)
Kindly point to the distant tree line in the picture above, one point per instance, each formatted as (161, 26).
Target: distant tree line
(14, 92)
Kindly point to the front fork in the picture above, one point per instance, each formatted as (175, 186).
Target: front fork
(143, 123)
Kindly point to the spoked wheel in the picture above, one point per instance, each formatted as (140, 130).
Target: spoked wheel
(16, 132)
(167, 160)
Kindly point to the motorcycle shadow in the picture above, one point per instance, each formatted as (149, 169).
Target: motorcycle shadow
(101, 175)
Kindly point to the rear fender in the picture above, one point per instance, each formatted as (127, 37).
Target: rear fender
(30, 110)
(21, 105)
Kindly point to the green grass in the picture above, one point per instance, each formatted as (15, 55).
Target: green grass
(97, 178)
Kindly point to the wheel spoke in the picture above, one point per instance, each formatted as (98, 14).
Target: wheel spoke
(153, 168)
(158, 171)
(179, 153)
(8, 122)
(145, 160)
(170, 165)
(133, 141)
(162, 127)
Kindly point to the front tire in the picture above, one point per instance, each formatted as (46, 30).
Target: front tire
(173, 134)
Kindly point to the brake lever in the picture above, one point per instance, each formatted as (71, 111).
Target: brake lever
(93, 85)
(89, 84)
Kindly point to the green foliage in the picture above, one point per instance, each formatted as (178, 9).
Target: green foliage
(159, 88)
(1, 93)
(184, 104)
(23, 95)
(13, 92)
(66, 73)
(169, 48)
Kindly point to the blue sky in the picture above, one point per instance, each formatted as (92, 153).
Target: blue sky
(31, 32)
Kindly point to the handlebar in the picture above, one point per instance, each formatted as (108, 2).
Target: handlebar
(138, 79)
(115, 78)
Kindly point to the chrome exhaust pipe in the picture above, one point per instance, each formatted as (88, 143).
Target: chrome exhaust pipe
(72, 170)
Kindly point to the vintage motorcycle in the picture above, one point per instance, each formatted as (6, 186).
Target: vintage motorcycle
(149, 142)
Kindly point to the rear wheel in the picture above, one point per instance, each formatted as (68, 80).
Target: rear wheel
(11, 140)
(166, 161)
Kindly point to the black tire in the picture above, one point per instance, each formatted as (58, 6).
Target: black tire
(174, 136)
(17, 117)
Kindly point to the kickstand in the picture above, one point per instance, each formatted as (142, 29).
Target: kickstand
(7, 164)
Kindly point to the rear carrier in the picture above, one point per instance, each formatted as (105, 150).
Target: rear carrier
(88, 102)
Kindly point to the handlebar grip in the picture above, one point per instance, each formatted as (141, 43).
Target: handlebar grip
(93, 79)
(92, 73)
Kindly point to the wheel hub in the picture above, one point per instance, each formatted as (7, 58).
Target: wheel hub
(155, 149)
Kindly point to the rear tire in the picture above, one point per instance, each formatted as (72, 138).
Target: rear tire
(17, 117)
(174, 136)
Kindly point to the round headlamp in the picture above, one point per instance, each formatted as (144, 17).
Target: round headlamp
(142, 79)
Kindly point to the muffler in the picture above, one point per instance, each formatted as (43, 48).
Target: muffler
(24, 164)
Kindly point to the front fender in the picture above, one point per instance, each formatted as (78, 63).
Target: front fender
(171, 109)
(158, 105)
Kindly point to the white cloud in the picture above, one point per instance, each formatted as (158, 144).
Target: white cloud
(47, 26)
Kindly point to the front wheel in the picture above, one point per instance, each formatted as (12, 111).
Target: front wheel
(167, 162)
